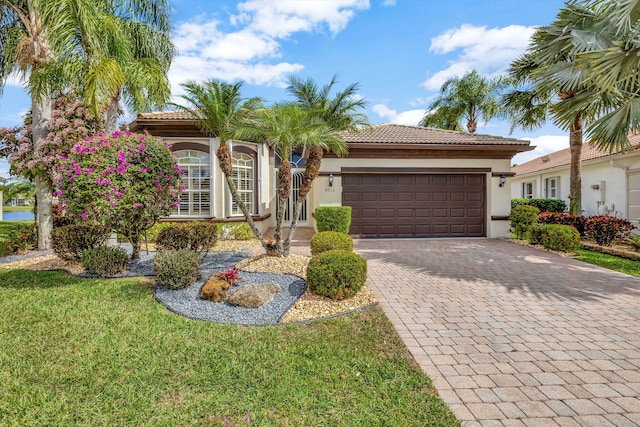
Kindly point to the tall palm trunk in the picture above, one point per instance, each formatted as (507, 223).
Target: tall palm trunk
(284, 191)
(311, 171)
(41, 114)
(224, 160)
(575, 184)
(112, 113)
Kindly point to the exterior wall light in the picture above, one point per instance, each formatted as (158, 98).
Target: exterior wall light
(503, 181)
(330, 180)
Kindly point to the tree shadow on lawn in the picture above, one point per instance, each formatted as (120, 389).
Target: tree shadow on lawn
(498, 263)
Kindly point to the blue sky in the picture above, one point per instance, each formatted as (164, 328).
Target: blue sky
(400, 51)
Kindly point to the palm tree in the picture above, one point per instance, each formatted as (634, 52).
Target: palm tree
(470, 98)
(46, 42)
(131, 63)
(607, 51)
(548, 81)
(341, 112)
(219, 110)
(284, 128)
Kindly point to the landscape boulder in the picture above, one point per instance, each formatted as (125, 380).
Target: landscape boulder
(254, 296)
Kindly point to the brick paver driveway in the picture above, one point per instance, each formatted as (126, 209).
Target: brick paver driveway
(514, 336)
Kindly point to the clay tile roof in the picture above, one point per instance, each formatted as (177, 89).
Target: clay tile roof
(165, 115)
(563, 157)
(402, 134)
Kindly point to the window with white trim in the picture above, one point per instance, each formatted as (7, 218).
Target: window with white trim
(552, 187)
(195, 199)
(244, 170)
(527, 190)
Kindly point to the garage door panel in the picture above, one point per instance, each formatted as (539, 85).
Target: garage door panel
(476, 180)
(387, 196)
(387, 213)
(423, 213)
(404, 196)
(436, 205)
(405, 213)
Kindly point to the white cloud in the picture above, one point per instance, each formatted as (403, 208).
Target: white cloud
(410, 117)
(14, 79)
(206, 50)
(545, 144)
(488, 50)
(389, 2)
(280, 18)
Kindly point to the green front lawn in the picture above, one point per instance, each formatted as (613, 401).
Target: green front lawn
(104, 352)
(611, 262)
(17, 208)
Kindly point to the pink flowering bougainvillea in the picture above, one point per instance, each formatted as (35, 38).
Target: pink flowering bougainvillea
(71, 121)
(124, 180)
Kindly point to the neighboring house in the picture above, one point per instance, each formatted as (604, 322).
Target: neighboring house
(610, 181)
(401, 181)
(2, 181)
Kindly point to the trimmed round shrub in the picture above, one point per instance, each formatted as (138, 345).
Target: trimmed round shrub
(333, 218)
(153, 232)
(330, 240)
(198, 237)
(336, 274)
(562, 238)
(176, 269)
(522, 218)
(70, 241)
(104, 261)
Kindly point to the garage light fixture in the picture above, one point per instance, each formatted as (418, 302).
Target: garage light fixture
(330, 180)
(503, 181)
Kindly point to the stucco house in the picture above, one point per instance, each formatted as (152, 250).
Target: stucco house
(401, 181)
(610, 181)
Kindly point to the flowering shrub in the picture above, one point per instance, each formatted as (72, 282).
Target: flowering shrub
(23, 237)
(605, 229)
(71, 121)
(231, 275)
(125, 181)
(576, 221)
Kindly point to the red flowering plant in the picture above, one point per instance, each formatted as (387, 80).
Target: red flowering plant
(231, 275)
(605, 229)
(125, 181)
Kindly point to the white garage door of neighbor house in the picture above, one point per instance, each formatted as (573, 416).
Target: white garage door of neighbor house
(633, 197)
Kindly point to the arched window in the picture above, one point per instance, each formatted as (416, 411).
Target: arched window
(195, 199)
(244, 176)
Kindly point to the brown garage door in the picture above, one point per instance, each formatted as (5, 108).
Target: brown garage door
(396, 205)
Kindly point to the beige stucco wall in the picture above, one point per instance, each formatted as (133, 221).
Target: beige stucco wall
(611, 174)
(498, 199)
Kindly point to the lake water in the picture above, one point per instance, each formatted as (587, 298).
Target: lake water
(17, 215)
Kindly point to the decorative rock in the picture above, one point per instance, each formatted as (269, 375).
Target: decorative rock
(214, 289)
(254, 296)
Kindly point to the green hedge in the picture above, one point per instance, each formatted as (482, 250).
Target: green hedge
(336, 274)
(333, 218)
(330, 240)
(545, 205)
(522, 219)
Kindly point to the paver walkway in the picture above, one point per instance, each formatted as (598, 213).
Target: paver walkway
(513, 336)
